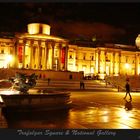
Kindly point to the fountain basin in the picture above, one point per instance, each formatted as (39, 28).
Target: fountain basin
(36, 102)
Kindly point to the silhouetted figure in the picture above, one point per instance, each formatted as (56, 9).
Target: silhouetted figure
(43, 76)
(49, 81)
(40, 76)
(70, 76)
(128, 105)
(82, 85)
(127, 87)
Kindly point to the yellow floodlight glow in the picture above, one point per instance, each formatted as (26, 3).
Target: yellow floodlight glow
(8, 58)
(101, 69)
(127, 66)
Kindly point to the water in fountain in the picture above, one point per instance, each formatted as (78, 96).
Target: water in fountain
(22, 82)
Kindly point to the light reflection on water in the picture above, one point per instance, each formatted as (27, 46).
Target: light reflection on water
(88, 117)
(49, 119)
(3, 122)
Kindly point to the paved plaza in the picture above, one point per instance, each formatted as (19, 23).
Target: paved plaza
(96, 106)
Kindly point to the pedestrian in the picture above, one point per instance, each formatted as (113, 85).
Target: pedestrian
(127, 88)
(49, 81)
(82, 85)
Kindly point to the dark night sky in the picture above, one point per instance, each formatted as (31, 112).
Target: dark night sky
(113, 22)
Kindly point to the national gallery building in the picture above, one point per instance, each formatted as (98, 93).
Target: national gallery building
(38, 50)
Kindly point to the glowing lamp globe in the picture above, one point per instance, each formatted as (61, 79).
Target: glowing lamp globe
(138, 41)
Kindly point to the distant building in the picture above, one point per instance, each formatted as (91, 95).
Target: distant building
(37, 49)
(107, 59)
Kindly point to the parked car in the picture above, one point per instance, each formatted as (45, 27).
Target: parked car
(89, 76)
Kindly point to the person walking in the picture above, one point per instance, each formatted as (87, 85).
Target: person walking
(49, 81)
(82, 85)
(127, 87)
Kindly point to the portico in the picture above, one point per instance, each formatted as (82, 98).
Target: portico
(40, 51)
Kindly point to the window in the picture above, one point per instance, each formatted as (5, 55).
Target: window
(84, 56)
(84, 68)
(11, 51)
(56, 53)
(126, 59)
(92, 58)
(2, 51)
(70, 56)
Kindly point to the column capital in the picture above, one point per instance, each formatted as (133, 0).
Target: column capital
(114, 53)
(46, 42)
(52, 44)
(99, 51)
(105, 52)
(39, 42)
(120, 54)
(31, 41)
(24, 41)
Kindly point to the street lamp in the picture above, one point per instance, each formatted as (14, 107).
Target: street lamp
(127, 66)
(8, 59)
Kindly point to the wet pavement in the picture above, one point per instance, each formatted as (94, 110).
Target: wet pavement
(97, 106)
(106, 110)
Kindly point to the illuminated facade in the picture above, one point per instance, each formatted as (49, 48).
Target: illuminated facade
(110, 59)
(6, 52)
(37, 49)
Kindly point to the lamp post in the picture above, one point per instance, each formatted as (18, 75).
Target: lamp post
(8, 60)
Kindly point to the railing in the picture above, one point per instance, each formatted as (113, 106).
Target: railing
(120, 81)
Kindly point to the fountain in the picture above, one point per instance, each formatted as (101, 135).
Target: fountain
(23, 82)
(19, 97)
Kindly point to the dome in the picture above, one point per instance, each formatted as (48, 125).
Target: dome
(38, 28)
(138, 41)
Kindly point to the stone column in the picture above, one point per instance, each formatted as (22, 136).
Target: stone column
(96, 62)
(136, 64)
(66, 57)
(105, 60)
(31, 54)
(60, 64)
(113, 63)
(74, 60)
(39, 55)
(15, 54)
(99, 53)
(119, 62)
(52, 46)
(46, 54)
